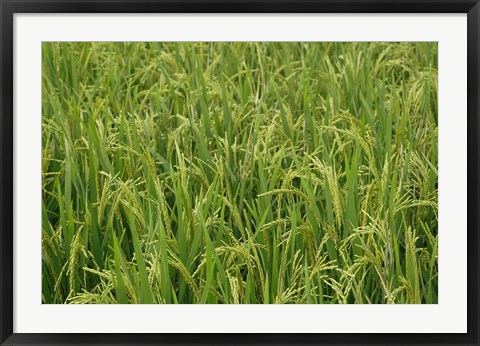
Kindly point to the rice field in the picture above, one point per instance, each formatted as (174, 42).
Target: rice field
(239, 173)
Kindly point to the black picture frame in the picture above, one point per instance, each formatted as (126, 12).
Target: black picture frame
(9, 7)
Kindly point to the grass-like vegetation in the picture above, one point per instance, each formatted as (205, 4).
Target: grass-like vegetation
(239, 173)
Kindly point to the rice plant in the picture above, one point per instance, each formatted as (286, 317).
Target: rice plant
(239, 173)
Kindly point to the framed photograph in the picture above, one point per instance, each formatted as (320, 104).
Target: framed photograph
(239, 172)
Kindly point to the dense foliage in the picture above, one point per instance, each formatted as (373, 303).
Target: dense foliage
(239, 172)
